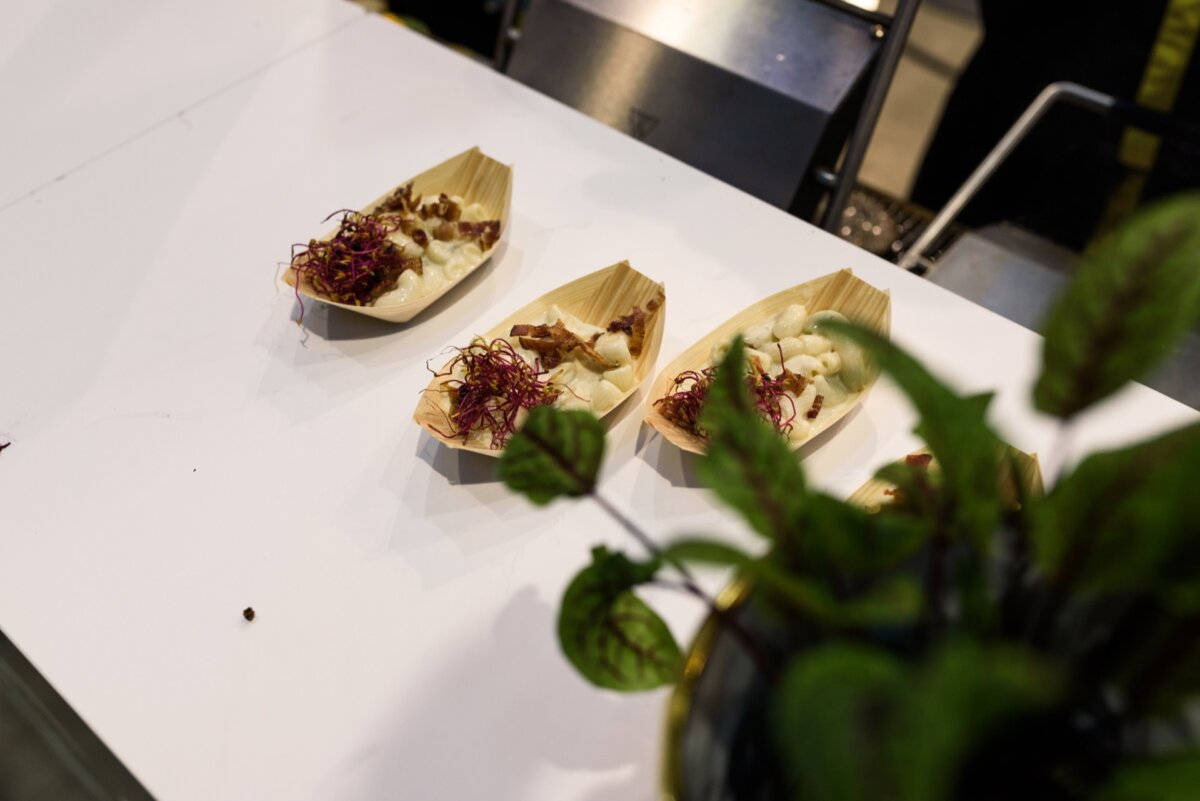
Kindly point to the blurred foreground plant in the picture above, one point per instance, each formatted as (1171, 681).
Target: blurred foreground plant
(1049, 647)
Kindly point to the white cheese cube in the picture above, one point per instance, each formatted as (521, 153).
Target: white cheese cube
(438, 252)
(805, 365)
(471, 252)
(815, 344)
(815, 323)
(804, 401)
(408, 286)
(758, 336)
(831, 362)
(790, 322)
(605, 396)
(614, 347)
(791, 346)
(434, 278)
(472, 212)
(457, 266)
(832, 390)
(622, 378)
(801, 427)
(761, 361)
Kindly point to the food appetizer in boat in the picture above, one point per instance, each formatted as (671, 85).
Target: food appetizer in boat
(802, 375)
(795, 370)
(556, 359)
(395, 257)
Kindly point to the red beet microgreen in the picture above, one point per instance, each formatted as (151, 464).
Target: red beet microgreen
(357, 264)
(496, 384)
(683, 404)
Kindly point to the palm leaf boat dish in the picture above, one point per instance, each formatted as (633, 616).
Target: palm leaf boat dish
(587, 345)
(802, 380)
(392, 259)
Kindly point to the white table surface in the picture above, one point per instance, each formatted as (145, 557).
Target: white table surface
(181, 450)
(79, 78)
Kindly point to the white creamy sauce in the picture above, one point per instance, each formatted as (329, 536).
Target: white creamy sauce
(835, 368)
(442, 263)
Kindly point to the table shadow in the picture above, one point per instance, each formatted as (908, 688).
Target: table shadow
(492, 715)
(459, 468)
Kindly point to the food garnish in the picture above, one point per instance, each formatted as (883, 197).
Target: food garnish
(489, 384)
(770, 394)
(357, 264)
(371, 250)
(554, 359)
(796, 368)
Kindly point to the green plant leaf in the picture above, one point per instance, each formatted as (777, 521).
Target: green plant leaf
(805, 595)
(1125, 519)
(956, 431)
(748, 465)
(832, 720)
(846, 540)
(893, 601)
(1134, 293)
(1171, 779)
(555, 453)
(963, 695)
(856, 724)
(609, 634)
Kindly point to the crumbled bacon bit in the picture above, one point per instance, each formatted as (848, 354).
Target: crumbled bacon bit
(634, 324)
(816, 407)
(445, 232)
(401, 200)
(793, 382)
(420, 237)
(918, 459)
(487, 232)
(553, 343)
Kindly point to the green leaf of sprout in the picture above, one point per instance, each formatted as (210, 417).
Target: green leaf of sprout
(1125, 519)
(555, 453)
(956, 431)
(610, 635)
(1134, 293)
(1175, 778)
(747, 464)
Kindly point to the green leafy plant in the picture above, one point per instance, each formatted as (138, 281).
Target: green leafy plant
(968, 640)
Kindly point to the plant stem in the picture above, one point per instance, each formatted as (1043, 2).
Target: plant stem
(688, 584)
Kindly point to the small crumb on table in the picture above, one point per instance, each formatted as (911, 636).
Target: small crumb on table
(248, 613)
